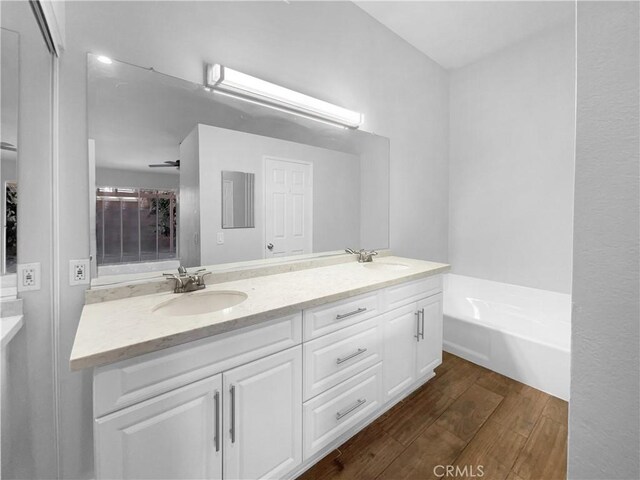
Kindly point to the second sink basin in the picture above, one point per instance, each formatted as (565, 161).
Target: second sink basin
(386, 266)
(200, 303)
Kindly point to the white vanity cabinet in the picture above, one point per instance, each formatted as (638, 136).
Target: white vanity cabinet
(429, 345)
(157, 417)
(182, 433)
(412, 343)
(338, 356)
(174, 435)
(361, 355)
(269, 400)
(336, 411)
(412, 327)
(400, 329)
(263, 417)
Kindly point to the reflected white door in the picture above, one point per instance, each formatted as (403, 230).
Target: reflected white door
(289, 207)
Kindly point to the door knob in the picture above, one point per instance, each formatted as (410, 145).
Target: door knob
(270, 246)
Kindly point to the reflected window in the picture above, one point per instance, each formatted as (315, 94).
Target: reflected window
(9, 96)
(135, 225)
(11, 227)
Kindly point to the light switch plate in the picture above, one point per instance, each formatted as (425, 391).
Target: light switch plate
(79, 272)
(220, 240)
(28, 276)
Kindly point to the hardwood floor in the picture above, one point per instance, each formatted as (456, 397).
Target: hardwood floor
(468, 420)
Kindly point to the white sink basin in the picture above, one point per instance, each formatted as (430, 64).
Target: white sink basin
(386, 266)
(200, 303)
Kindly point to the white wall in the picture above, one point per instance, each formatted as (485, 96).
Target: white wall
(331, 50)
(28, 439)
(112, 177)
(336, 193)
(375, 196)
(604, 423)
(512, 126)
(14, 402)
(8, 167)
(189, 200)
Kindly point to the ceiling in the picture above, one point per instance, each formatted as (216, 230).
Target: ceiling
(458, 33)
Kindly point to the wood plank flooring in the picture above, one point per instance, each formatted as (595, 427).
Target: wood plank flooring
(466, 417)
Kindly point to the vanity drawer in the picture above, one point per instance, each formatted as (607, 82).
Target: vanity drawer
(328, 318)
(340, 355)
(334, 412)
(128, 382)
(400, 295)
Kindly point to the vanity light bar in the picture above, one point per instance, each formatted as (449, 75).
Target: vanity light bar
(242, 85)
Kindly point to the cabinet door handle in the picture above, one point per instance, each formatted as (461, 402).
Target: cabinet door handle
(358, 404)
(417, 335)
(232, 430)
(216, 400)
(422, 317)
(349, 357)
(355, 312)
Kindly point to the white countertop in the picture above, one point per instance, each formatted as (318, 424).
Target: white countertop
(11, 318)
(119, 329)
(9, 326)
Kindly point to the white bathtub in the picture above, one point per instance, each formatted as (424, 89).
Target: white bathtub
(523, 333)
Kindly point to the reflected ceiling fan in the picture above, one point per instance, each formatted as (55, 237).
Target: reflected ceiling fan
(12, 148)
(168, 163)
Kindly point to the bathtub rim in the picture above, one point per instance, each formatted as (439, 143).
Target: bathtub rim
(474, 321)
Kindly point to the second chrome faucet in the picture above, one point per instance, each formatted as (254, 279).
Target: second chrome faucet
(364, 256)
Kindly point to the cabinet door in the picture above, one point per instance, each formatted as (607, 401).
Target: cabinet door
(174, 435)
(399, 365)
(429, 354)
(263, 417)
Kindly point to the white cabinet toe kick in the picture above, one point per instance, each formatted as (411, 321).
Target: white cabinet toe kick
(267, 401)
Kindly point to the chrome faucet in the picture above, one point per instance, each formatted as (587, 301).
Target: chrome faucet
(188, 282)
(364, 256)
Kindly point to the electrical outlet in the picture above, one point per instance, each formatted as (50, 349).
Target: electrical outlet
(79, 272)
(28, 276)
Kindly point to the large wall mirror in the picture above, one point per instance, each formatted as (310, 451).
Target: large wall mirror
(183, 175)
(9, 94)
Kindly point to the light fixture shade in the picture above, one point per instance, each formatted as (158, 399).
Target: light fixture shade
(237, 83)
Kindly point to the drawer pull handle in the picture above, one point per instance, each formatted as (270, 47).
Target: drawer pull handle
(355, 312)
(420, 332)
(232, 430)
(216, 399)
(349, 357)
(358, 404)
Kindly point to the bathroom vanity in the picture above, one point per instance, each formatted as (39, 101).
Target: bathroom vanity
(292, 347)
(264, 388)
